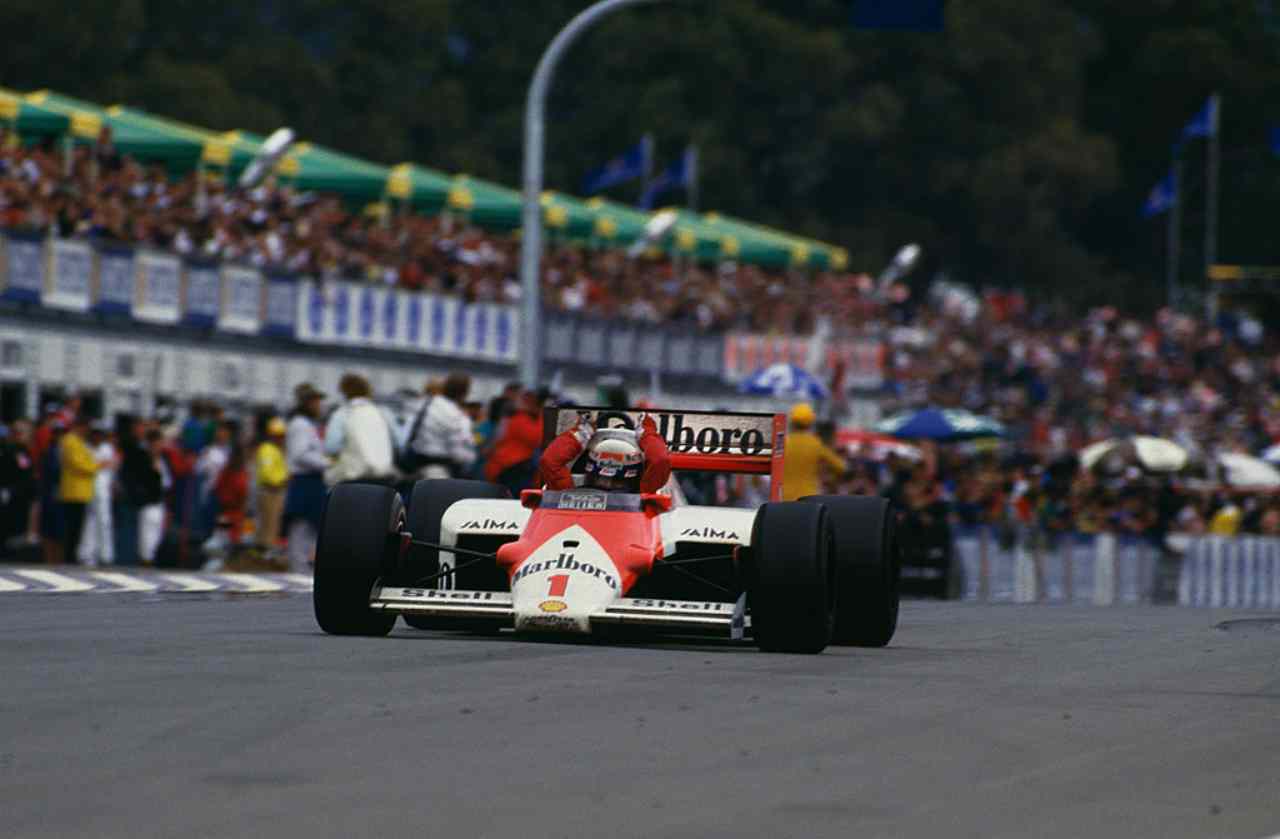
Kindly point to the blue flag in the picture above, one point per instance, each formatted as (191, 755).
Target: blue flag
(1204, 123)
(902, 15)
(1162, 197)
(680, 174)
(1275, 139)
(631, 164)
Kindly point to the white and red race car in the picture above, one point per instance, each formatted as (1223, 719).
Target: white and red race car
(793, 576)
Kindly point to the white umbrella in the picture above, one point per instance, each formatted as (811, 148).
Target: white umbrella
(1243, 470)
(1272, 455)
(1155, 454)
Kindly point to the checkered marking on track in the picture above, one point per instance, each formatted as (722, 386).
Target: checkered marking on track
(119, 580)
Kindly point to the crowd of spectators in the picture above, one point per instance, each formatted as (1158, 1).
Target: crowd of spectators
(1057, 378)
(95, 192)
(197, 489)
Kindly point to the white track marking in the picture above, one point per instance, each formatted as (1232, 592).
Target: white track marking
(191, 582)
(124, 582)
(303, 580)
(10, 585)
(252, 583)
(61, 583)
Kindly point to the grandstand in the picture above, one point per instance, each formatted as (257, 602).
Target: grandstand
(120, 223)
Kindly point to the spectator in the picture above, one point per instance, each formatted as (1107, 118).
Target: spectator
(18, 486)
(97, 544)
(231, 490)
(153, 484)
(75, 486)
(306, 462)
(359, 436)
(273, 478)
(446, 441)
(514, 460)
(132, 483)
(49, 464)
(209, 465)
(805, 456)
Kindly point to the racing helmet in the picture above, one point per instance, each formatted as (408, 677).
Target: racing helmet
(613, 461)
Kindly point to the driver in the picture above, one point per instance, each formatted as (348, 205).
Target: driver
(618, 459)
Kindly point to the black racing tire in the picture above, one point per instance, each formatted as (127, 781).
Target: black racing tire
(427, 504)
(792, 583)
(358, 544)
(869, 571)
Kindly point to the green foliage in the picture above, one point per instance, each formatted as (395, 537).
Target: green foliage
(1017, 146)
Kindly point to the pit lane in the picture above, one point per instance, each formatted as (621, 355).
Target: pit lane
(153, 716)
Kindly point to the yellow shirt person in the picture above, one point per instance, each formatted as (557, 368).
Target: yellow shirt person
(804, 455)
(79, 467)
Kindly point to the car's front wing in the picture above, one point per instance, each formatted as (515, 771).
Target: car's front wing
(685, 617)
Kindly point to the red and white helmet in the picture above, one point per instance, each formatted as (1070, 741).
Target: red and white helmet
(614, 461)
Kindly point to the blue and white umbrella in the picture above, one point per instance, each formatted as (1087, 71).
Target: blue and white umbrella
(784, 381)
(941, 424)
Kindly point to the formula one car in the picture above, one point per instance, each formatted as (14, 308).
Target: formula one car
(792, 576)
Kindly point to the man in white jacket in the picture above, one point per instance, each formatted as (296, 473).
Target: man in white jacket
(445, 440)
(359, 436)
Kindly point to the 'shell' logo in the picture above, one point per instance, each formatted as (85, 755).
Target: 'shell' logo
(708, 533)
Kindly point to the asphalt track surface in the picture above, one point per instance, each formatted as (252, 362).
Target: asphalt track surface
(139, 715)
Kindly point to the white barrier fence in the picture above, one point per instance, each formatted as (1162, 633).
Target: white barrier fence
(1106, 569)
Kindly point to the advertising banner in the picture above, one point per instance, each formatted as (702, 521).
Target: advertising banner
(391, 327)
(413, 335)
(590, 347)
(201, 294)
(114, 288)
(506, 339)
(366, 315)
(70, 275)
(461, 338)
(743, 354)
(23, 262)
(441, 317)
(651, 349)
(339, 298)
(241, 300)
(158, 296)
(281, 308)
(558, 337)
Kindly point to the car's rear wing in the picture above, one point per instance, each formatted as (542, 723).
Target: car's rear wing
(700, 441)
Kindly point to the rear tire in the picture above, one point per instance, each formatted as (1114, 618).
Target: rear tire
(427, 505)
(869, 568)
(792, 584)
(359, 540)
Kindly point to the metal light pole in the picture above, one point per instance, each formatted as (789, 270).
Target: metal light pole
(531, 244)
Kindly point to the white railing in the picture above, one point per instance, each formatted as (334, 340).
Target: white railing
(1108, 569)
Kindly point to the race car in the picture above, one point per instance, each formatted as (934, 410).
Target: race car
(791, 576)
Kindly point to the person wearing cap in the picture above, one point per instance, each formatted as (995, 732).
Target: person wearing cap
(272, 479)
(75, 486)
(305, 461)
(97, 544)
(804, 455)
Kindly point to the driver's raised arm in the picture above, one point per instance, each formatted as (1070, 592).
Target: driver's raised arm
(557, 459)
(657, 458)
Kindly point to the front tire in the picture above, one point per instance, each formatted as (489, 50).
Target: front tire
(359, 540)
(869, 568)
(792, 583)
